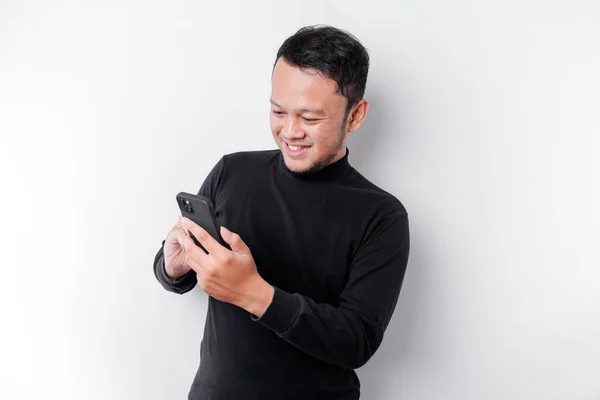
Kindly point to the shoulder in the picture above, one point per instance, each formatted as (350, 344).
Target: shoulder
(243, 167)
(383, 215)
(385, 203)
(247, 159)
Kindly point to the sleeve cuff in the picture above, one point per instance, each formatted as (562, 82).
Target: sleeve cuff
(281, 313)
(177, 281)
(185, 279)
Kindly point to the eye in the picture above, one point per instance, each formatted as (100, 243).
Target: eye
(309, 119)
(277, 112)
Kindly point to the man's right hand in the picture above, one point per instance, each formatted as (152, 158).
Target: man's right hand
(173, 252)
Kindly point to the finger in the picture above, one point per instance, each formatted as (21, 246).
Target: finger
(181, 226)
(180, 236)
(173, 234)
(234, 240)
(206, 240)
(196, 258)
(176, 232)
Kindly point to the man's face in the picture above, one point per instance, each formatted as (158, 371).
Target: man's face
(306, 111)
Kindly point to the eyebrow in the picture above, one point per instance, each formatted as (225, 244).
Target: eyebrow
(318, 111)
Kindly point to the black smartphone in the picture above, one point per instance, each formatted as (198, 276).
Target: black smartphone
(200, 210)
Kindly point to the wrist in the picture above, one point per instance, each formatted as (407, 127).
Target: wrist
(173, 274)
(259, 296)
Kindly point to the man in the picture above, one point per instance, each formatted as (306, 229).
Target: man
(318, 253)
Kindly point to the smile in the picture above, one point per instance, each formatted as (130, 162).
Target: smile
(294, 151)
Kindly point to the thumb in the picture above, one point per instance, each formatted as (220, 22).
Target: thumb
(234, 240)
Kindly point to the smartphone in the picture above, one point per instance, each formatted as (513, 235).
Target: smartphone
(200, 210)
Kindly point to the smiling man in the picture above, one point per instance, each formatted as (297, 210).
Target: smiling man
(318, 253)
(308, 118)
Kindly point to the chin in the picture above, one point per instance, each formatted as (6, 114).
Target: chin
(296, 166)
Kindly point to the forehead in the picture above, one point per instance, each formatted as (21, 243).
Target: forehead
(293, 86)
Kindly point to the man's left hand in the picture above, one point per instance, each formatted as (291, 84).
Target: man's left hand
(227, 275)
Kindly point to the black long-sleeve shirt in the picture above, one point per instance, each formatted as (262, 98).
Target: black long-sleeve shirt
(335, 248)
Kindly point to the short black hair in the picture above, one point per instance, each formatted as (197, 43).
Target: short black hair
(334, 53)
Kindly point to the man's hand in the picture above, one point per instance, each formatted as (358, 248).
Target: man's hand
(173, 252)
(226, 275)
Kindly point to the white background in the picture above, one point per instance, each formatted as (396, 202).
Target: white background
(484, 122)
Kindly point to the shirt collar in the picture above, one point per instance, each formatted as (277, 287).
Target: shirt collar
(333, 171)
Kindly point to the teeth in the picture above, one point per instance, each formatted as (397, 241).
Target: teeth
(296, 148)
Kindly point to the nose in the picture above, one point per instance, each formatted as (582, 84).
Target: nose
(292, 129)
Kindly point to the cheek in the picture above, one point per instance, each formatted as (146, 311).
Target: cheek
(321, 136)
(275, 123)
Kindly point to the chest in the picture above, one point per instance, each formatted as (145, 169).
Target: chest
(301, 240)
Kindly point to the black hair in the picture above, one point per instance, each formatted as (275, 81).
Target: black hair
(332, 52)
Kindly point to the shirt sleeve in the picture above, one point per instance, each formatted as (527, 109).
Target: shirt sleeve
(180, 285)
(186, 282)
(350, 334)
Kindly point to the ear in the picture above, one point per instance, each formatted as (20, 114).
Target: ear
(357, 115)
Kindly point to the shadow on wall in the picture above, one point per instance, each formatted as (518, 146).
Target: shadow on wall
(381, 135)
(384, 128)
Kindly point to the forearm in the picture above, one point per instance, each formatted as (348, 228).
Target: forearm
(349, 334)
(257, 297)
(337, 335)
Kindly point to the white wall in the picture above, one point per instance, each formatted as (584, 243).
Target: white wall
(484, 122)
